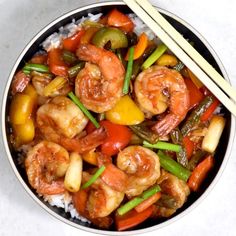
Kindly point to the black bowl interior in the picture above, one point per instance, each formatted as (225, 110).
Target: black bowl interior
(221, 150)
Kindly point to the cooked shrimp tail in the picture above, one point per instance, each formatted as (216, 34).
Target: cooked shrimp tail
(86, 143)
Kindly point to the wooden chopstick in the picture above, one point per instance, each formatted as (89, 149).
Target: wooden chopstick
(179, 52)
(188, 48)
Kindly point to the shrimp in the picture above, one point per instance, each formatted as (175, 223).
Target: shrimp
(142, 167)
(60, 117)
(99, 84)
(45, 164)
(60, 121)
(99, 200)
(174, 188)
(151, 87)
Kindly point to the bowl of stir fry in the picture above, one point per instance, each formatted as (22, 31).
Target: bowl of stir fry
(107, 129)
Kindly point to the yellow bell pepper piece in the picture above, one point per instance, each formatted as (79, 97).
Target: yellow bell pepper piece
(31, 91)
(90, 157)
(125, 112)
(167, 60)
(20, 108)
(24, 133)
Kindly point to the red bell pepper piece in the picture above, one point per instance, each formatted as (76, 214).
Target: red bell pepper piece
(56, 64)
(195, 94)
(71, 43)
(189, 146)
(120, 20)
(132, 218)
(210, 110)
(200, 173)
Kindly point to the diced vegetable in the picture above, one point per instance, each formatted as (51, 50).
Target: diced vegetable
(93, 178)
(74, 70)
(24, 133)
(140, 47)
(128, 71)
(118, 137)
(69, 57)
(90, 157)
(125, 112)
(55, 85)
(195, 95)
(173, 167)
(116, 37)
(163, 145)
(20, 109)
(83, 109)
(167, 60)
(148, 202)
(36, 67)
(132, 218)
(188, 145)
(19, 83)
(56, 64)
(200, 173)
(137, 200)
(154, 56)
(71, 43)
(195, 115)
(195, 159)
(120, 20)
(88, 35)
(144, 131)
(210, 110)
(212, 137)
(73, 175)
(195, 80)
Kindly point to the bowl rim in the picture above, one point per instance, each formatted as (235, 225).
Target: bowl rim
(47, 209)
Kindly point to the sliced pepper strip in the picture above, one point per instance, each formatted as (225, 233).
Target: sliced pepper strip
(210, 110)
(140, 47)
(132, 218)
(195, 95)
(200, 172)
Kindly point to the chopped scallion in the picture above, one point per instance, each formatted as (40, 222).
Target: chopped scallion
(93, 178)
(163, 145)
(83, 109)
(154, 56)
(137, 200)
(128, 71)
(36, 67)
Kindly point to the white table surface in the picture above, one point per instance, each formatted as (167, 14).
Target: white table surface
(20, 20)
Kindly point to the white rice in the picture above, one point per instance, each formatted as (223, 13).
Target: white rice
(64, 201)
(54, 40)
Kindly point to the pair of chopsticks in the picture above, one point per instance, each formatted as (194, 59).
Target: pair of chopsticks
(185, 52)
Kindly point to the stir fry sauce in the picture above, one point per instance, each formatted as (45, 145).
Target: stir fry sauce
(116, 121)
